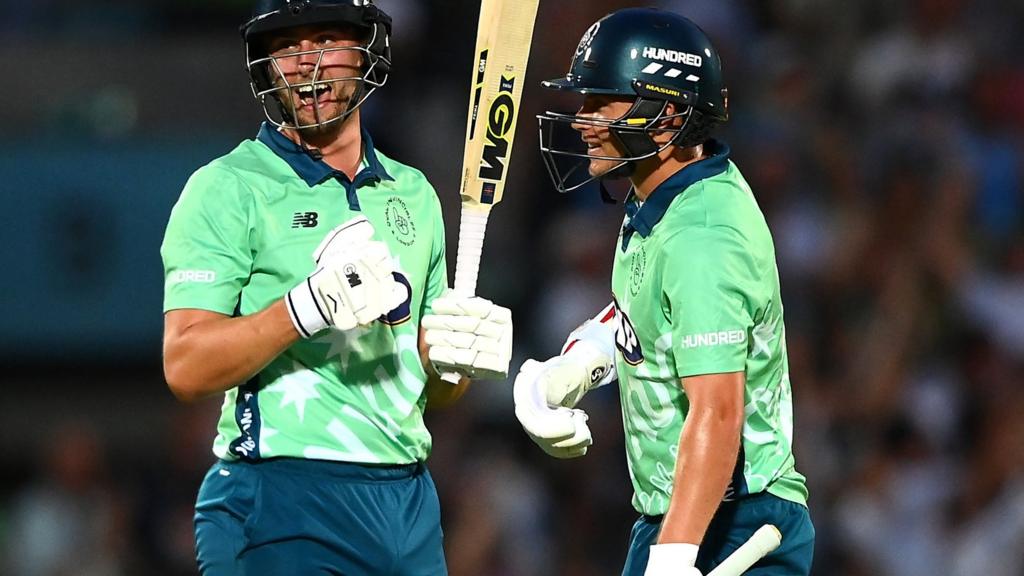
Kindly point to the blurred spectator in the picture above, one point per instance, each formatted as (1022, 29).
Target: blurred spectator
(71, 521)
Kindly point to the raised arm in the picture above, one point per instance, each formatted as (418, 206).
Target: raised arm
(206, 353)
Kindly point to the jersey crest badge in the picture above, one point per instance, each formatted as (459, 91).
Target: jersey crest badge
(637, 266)
(400, 221)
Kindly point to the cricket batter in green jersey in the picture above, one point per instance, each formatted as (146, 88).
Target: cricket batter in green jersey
(305, 282)
(695, 333)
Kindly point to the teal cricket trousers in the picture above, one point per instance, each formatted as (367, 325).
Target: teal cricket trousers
(286, 516)
(732, 525)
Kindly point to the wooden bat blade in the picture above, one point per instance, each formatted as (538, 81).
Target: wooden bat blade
(504, 35)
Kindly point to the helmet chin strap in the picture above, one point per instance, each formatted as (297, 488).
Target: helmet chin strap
(625, 169)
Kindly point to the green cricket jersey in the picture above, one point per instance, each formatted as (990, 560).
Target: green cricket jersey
(243, 233)
(697, 292)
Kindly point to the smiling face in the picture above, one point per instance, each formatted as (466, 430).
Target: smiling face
(317, 72)
(597, 137)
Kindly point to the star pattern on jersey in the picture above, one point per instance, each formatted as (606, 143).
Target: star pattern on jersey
(266, 433)
(343, 345)
(763, 335)
(296, 388)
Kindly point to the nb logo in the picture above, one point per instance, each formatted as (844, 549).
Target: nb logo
(305, 220)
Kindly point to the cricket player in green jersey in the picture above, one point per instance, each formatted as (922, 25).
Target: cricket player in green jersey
(305, 281)
(695, 333)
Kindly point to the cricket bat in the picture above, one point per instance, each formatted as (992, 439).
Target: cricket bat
(503, 38)
(766, 539)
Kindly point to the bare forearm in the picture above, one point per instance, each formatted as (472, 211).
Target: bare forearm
(217, 354)
(708, 447)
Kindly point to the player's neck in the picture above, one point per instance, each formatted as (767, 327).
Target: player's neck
(652, 172)
(340, 145)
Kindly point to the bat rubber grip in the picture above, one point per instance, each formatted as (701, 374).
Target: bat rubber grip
(471, 244)
(766, 539)
(472, 226)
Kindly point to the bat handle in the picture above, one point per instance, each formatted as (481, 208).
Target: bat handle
(471, 244)
(766, 539)
(472, 226)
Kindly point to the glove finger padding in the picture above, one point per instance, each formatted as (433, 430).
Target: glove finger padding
(344, 237)
(448, 357)
(376, 258)
(469, 335)
(581, 438)
(476, 307)
(449, 338)
(436, 321)
(560, 432)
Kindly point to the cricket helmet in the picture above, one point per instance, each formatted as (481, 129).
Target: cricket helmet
(655, 57)
(270, 17)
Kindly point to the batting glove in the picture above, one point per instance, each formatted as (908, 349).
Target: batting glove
(587, 362)
(561, 432)
(470, 336)
(672, 560)
(353, 283)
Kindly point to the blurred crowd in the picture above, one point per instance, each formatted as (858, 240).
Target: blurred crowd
(884, 142)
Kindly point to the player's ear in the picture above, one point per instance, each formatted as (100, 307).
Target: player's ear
(668, 122)
(671, 110)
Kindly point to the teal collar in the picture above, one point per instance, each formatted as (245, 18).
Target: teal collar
(315, 171)
(643, 219)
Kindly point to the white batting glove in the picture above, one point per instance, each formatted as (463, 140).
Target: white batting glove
(672, 560)
(470, 336)
(561, 432)
(352, 284)
(587, 362)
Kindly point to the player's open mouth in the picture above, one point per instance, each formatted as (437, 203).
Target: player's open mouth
(320, 92)
(593, 144)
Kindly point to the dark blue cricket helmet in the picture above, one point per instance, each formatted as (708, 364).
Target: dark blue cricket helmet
(273, 16)
(655, 57)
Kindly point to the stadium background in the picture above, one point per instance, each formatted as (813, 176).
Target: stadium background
(883, 140)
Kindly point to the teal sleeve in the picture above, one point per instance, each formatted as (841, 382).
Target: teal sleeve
(206, 248)
(437, 275)
(708, 288)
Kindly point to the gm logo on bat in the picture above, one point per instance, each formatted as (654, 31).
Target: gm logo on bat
(500, 119)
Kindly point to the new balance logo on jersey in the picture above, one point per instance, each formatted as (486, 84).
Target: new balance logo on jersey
(305, 220)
